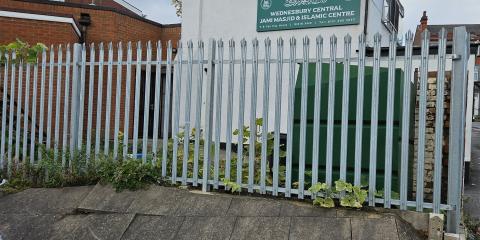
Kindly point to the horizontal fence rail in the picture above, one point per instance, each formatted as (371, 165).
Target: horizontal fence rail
(250, 113)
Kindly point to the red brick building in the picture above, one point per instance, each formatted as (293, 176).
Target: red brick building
(86, 21)
(55, 22)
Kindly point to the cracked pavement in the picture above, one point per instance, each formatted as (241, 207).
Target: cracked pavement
(98, 212)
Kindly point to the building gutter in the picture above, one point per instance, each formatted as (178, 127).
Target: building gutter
(365, 24)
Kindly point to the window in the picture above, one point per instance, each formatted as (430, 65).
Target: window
(392, 11)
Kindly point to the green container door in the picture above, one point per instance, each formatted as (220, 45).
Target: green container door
(351, 125)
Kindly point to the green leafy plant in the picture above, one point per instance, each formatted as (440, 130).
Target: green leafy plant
(23, 51)
(350, 196)
(324, 195)
(354, 197)
(233, 186)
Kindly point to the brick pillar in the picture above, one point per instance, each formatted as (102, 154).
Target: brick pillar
(430, 134)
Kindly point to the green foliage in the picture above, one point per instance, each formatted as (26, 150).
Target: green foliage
(233, 186)
(350, 196)
(50, 172)
(381, 194)
(130, 174)
(258, 152)
(178, 7)
(324, 195)
(23, 51)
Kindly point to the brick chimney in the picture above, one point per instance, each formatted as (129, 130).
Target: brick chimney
(424, 21)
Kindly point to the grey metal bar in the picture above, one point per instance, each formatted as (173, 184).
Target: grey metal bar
(18, 130)
(422, 120)
(176, 110)
(108, 110)
(156, 117)
(57, 103)
(146, 111)
(209, 114)
(303, 118)
(128, 87)
(331, 109)
(50, 97)
(457, 128)
(253, 117)
(166, 113)
(345, 106)
(12, 112)
(241, 110)
(77, 58)
(406, 121)
(98, 125)
(231, 78)
(266, 103)
(218, 114)
(42, 101)
(374, 121)
(389, 128)
(188, 104)
(81, 98)
(26, 114)
(4, 110)
(439, 118)
(91, 90)
(136, 114)
(198, 114)
(278, 110)
(118, 89)
(317, 108)
(359, 113)
(66, 106)
(34, 114)
(291, 104)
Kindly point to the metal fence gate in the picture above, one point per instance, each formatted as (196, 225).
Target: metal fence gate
(82, 100)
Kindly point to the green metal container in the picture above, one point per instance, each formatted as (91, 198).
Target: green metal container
(382, 115)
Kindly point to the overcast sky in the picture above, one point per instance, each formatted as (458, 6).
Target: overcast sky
(439, 11)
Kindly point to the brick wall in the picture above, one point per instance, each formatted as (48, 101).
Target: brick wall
(107, 26)
(36, 31)
(430, 134)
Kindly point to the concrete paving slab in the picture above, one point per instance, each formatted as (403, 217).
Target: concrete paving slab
(203, 205)
(472, 203)
(26, 226)
(318, 228)
(206, 228)
(93, 226)
(360, 213)
(45, 201)
(374, 229)
(105, 199)
(407, 231)
(299, 209)
(271, 228)
(153, 227)
(158, 201)
(247, 207)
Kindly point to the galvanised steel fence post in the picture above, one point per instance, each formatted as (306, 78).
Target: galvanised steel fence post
(457, 127)
(77, 59)
(209, 103)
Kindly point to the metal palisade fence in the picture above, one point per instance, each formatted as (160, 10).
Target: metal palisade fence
(179, 108)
